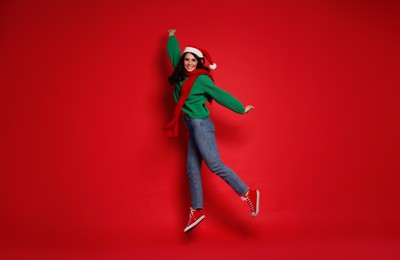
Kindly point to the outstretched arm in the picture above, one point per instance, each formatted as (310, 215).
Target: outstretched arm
(222, 97)
(174, 52)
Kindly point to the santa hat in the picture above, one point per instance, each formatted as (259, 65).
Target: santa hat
(201, 54)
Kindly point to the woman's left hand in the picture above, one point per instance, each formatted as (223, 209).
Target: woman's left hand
(248, 108)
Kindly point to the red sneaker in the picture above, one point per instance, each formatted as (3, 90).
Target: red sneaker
(253, 199)
(195, 217)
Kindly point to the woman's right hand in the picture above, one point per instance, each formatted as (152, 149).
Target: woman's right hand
(171, 32)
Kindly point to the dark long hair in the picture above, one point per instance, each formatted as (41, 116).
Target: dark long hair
(179, 73)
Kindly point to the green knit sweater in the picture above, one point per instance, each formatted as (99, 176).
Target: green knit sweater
(203, 89)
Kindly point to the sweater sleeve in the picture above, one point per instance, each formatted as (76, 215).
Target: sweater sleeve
(221, 96)
(174, 51)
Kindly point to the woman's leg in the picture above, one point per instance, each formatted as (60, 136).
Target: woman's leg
(203, 135)
(194, 174)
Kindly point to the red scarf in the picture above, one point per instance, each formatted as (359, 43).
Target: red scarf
(171, 129)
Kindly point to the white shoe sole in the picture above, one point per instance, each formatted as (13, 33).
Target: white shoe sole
(257, 204)
(188, 228)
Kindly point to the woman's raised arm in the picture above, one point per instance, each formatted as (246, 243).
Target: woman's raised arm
(174, 51)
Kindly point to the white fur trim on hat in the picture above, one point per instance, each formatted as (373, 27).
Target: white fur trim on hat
(193, 50)
(213, 66)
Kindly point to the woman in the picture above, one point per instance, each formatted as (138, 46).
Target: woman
(194, 86)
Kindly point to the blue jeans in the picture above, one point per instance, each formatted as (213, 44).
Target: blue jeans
(202, 146)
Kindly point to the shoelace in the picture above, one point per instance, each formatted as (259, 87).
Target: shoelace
(248, 200)
(191, 215)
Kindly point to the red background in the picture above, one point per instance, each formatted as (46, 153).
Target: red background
(86, 168)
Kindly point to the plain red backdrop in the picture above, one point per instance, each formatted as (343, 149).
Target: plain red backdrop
(84, 97)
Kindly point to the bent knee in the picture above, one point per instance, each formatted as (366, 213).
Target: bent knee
(216, 166)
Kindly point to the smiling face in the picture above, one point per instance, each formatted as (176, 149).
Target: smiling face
(190, 62)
